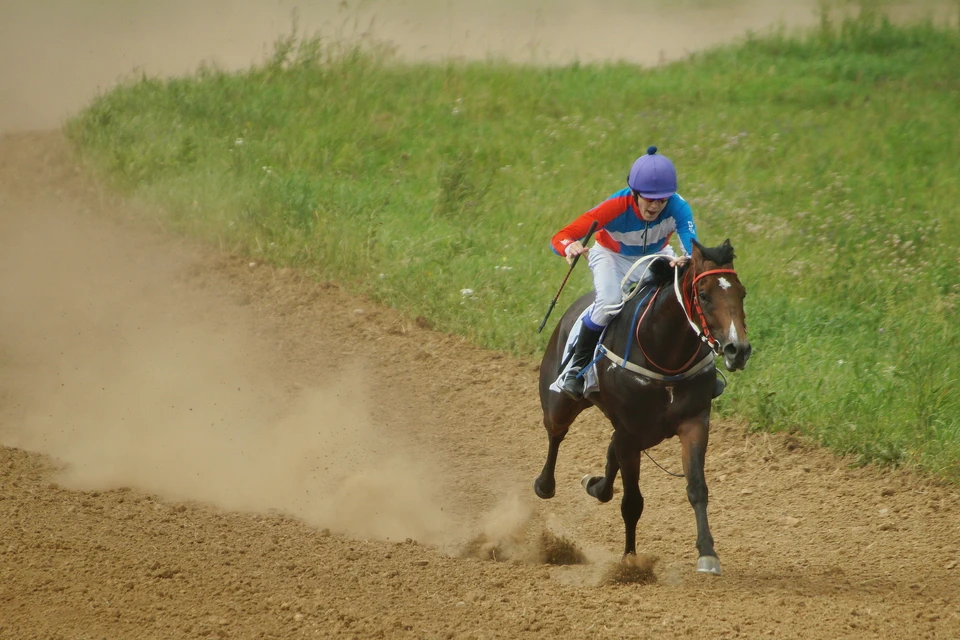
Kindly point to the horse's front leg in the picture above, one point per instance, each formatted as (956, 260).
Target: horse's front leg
(623, 456)
(693, 439)
(601, 487)
(631, 506)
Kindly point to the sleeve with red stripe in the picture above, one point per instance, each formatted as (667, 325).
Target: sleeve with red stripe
(577, 230)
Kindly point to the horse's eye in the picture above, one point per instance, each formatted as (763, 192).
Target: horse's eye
(704, 298)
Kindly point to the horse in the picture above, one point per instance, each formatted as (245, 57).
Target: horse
(656, 378)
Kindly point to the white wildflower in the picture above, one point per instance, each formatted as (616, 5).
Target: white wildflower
(466, 293)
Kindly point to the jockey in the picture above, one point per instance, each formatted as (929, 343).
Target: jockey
(636, 221)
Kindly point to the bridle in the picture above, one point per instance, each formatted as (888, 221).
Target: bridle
(692, 300)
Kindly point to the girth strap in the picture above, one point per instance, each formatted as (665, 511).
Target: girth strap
(629, 366)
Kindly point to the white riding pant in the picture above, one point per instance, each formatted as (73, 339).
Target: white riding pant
(609, 269)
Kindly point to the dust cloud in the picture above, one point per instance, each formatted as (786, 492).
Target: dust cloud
(114, 364)
(120, 369)
(57, 55)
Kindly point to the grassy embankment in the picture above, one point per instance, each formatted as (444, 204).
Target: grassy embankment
(830, 160)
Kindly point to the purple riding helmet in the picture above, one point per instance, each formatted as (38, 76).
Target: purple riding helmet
(653, 176)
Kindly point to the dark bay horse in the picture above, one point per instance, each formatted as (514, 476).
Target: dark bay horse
(655, 380)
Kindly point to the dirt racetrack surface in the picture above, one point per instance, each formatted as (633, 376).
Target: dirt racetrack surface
(198, 446)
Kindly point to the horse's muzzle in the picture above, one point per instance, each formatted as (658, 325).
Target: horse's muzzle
(736, 354)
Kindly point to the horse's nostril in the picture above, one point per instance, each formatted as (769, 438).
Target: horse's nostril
(730, 350)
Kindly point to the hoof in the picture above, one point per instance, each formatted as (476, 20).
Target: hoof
(544, 495)
(709, 564)
(590, 483)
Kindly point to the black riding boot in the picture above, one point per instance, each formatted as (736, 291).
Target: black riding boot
(587, 340)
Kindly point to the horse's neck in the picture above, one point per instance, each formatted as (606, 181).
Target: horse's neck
(664, 334)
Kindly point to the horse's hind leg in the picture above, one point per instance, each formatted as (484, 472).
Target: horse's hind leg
(559, 412)
(545, 486)
(601, 487)
(693, 440)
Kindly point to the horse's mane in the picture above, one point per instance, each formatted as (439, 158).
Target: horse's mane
(662, 272)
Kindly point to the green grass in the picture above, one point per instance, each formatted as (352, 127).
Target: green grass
(831, 160)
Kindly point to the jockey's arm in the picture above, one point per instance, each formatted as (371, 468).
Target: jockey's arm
(568, 241)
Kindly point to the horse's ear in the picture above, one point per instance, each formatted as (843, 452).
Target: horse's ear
(727, 248)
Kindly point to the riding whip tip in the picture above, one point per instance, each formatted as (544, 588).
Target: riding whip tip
(651, 150)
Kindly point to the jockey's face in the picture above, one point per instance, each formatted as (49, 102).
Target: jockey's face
(650, 209)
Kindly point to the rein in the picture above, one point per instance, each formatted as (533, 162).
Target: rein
(640, 344)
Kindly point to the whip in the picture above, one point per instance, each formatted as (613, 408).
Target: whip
(553, 303)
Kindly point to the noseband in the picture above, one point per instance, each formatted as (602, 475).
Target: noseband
(690, 300)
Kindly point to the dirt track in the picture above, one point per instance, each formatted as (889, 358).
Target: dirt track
(197, 447)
